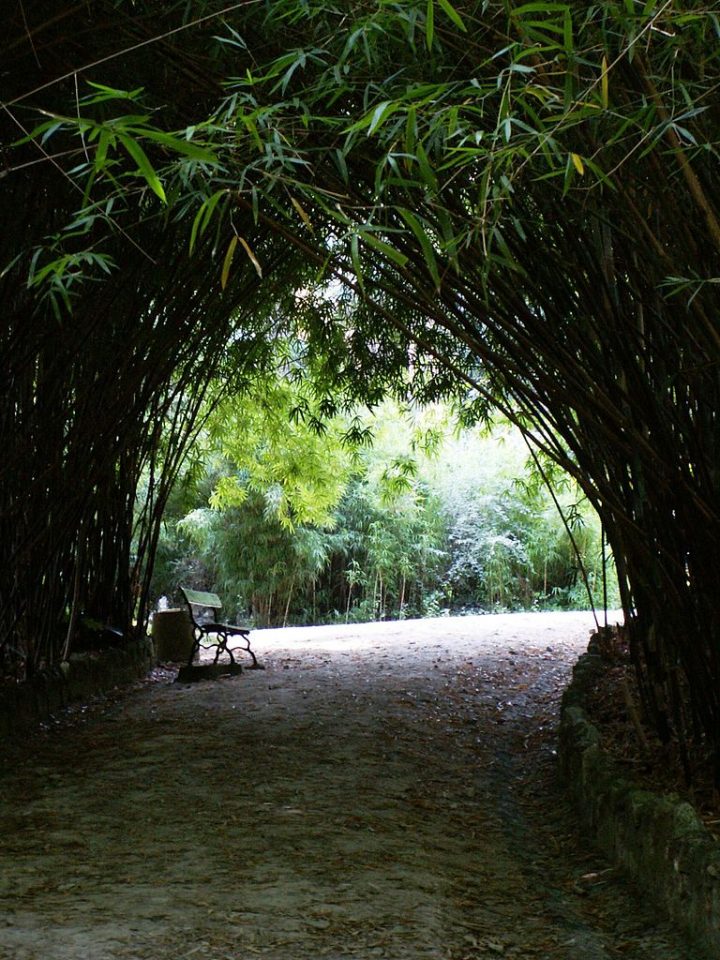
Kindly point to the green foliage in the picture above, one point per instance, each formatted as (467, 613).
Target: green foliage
(283, 450)
(508, 546)
(420, 522)
(256, 562)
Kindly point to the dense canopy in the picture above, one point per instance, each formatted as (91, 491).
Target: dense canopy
(513, 203)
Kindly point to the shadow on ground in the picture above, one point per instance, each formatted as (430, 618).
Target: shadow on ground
(385, 790)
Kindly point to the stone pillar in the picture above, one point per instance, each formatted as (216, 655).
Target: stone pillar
(172, 634)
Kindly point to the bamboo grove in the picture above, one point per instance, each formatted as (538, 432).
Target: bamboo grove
(514, 203)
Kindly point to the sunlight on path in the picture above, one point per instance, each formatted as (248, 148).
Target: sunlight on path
(569, 629)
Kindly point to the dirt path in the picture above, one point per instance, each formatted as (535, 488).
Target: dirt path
(382, 791)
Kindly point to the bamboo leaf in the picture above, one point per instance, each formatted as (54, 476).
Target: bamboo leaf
(425, 243)
(227, 262)
(385, 248)
(453, 14)
(110, 93)
(203, 217)
(106, 140)
(426, 171)
(604, 85)
(568, 33)
(540, 7)
(357, 263)
(178, 144)
(341, 165)
(48, 130)
(145, 168)
(303, 214)
(430, 23)
(253, 259)
(380, 113)
(577, 163)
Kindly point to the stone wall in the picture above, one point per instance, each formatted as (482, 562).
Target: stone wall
(84, 675)
(659, 841)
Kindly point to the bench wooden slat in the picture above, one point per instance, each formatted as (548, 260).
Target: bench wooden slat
(200, 598)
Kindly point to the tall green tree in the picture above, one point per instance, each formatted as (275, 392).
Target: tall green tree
(281, 464)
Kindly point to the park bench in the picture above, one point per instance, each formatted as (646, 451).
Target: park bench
(211, 633)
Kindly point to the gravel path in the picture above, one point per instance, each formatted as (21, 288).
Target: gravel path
(384, 790)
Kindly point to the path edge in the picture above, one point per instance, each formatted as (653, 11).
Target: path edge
(84, 676)
(659, 841)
